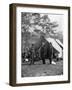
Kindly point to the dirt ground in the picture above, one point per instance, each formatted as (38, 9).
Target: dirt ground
(39, 69)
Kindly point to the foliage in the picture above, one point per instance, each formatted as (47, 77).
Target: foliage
(39, 23)
(35, 23)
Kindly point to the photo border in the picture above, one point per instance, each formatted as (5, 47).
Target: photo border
(12, 63)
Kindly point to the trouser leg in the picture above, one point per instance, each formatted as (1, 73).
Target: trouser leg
(43, 60)
(32, 61)
(50, 60)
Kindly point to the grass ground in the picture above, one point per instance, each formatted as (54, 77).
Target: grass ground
(39, 69)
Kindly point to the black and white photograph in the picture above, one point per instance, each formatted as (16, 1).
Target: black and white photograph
(40, 52)
(41, 44)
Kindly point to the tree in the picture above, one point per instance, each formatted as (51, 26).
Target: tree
(41, 24)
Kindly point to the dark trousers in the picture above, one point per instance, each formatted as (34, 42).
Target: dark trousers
(50, 59)
(43, 59)
(31, 60)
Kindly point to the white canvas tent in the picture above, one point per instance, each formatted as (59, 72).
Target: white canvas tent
(55, 45)
(59, 42)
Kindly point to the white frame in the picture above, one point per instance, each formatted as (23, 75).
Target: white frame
(63, 77)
